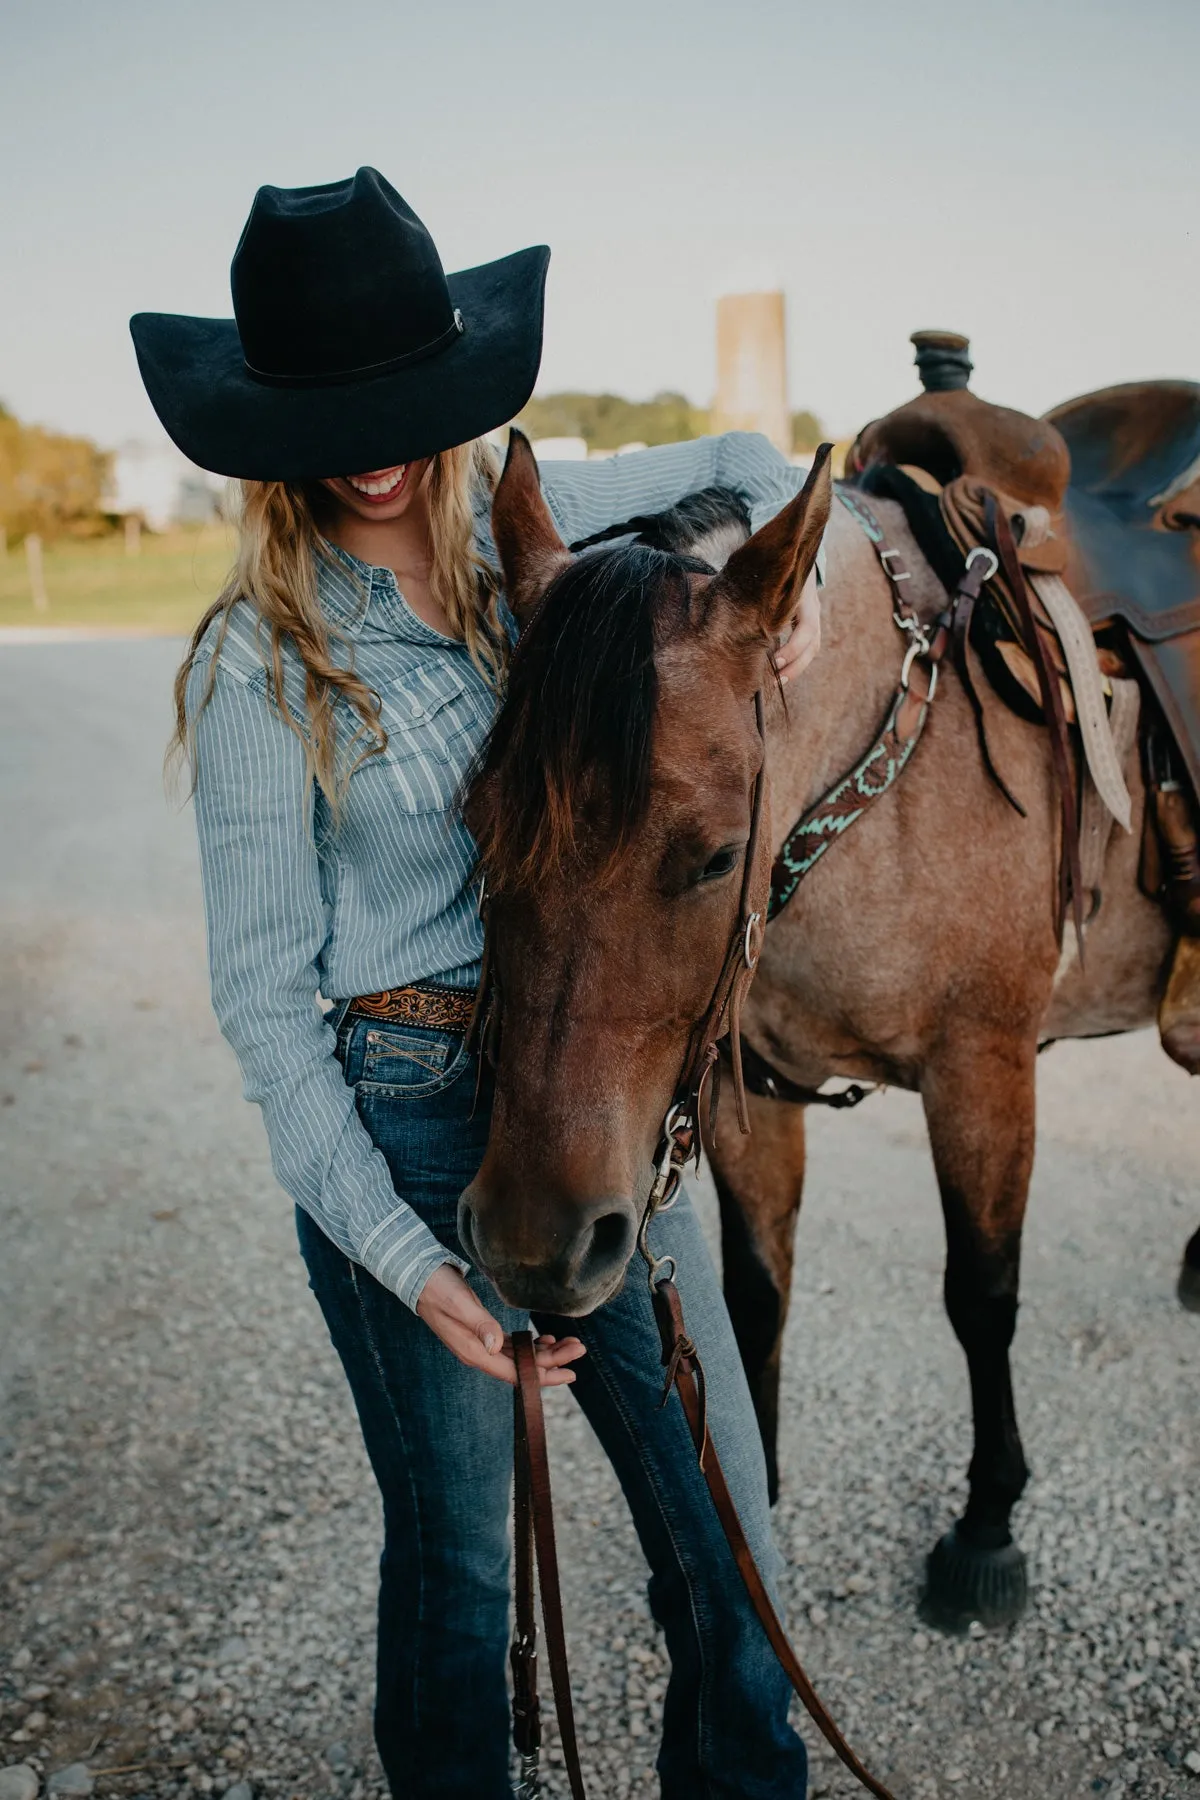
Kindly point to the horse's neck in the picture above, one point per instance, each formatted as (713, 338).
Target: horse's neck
(831, 714)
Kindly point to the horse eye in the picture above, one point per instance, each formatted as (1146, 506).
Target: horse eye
(723, 863)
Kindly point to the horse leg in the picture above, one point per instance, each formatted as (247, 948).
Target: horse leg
(979, 1104)
(1189, 1275)
(759, 1181)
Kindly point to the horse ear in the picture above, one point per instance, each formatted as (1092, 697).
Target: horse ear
(530, 549)
(762, 580)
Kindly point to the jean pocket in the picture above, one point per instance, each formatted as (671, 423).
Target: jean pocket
(404, 1062)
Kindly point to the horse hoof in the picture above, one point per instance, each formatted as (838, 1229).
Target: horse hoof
(965, 1583)
(1189, 1287)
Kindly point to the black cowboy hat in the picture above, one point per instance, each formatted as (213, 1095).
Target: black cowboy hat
(351, 348)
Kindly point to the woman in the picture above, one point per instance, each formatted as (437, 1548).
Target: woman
(332, 700)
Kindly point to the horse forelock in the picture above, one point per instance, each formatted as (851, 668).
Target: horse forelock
(566, 769)
(705, 527)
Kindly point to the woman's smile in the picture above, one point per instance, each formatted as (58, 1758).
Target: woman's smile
(381, 495)
(381, 485)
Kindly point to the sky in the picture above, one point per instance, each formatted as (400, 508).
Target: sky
(1027, 173)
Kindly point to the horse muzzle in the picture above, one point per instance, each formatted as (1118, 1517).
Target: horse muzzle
(576, 1262)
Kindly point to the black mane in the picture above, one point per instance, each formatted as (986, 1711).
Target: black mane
(572, 742)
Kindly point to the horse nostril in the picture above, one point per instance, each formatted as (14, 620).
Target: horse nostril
(610, 1245)
(610, 1236)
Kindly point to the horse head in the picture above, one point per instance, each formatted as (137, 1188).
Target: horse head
(612, 808)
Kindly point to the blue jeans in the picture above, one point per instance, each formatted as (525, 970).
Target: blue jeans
(440, 1441)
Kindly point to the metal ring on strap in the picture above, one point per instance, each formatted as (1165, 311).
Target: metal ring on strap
(754, 920)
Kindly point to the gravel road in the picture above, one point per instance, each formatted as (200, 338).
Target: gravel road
(188, 1530)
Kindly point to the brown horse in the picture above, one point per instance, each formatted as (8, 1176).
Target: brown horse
(612, 810)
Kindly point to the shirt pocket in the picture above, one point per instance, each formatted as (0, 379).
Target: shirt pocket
(434, 726)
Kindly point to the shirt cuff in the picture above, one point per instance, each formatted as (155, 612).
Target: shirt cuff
(402, 1253)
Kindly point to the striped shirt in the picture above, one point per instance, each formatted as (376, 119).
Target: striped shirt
(295, 910)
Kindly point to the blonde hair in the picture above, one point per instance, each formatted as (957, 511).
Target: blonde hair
(275, 569)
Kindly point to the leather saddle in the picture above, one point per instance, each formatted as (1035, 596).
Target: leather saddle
(1133, 530)
(1119, 473)
(948, 431)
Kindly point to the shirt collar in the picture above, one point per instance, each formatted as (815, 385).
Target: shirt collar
(352, 590)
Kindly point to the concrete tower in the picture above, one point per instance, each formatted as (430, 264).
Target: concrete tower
(752, 367)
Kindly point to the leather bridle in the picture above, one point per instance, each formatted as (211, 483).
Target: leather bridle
(533, 1514)
(723, 1016)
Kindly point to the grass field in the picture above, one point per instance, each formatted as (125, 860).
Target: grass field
(164, 589)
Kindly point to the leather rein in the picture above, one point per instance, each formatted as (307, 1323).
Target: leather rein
(533, 1512)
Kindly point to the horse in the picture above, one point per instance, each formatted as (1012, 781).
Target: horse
(612, 808)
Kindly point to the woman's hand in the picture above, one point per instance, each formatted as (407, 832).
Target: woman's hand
(450, 1309)
(804, 640)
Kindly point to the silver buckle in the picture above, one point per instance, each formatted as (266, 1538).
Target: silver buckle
(893, 574)
(981, 550)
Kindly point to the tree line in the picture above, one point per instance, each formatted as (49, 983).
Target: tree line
(607, 421)
(55, 485)
(50, 484)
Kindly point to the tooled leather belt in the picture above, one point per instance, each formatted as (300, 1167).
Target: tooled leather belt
(426, 1004)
